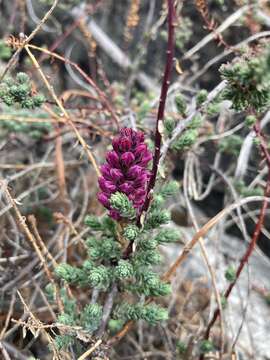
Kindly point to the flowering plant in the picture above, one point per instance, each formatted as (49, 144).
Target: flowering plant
(125, 171)
(110, 269)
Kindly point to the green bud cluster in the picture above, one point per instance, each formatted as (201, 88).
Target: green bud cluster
(167, 236)
(149, 284)
(107, 248)
(158, 201)
(169, 124)
(186, 140)
(5, 51)
(66, 319)
(100, 277)
(181, 347)
(157, 218)
(70, 274)
(230, 274)
(171, 188)
(146, 257)
(151, 313)
(248, 81)
(69, 304)
(131, 232)
(18, 91)
(201, 96)
(190, 135)
(213, 108)
(62, 342)
(123, 270)
(145, 244)
(115, 325)
(206, 346)
(196, 122)
(93, 222)
(250, 120)
(231, 145)
(91, 317)
(181, 104)
(119, 201)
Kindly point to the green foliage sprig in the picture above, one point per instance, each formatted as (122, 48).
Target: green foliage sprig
(248, 81)
(119, 201)
(19, 91)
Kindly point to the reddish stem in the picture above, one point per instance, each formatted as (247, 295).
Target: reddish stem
(160, 117)
(161, 108)
(256, 233)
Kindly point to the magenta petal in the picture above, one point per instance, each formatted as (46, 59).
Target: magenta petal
(103, 199)
(126, 132)
(126, 188)
(114, 214)
(134, 172)
(138, 203)
(146, 158)
(105, 171)
(140, 193)
(115, 144)
(141, 180)
(140, 150)
(125, 144)
(113, 159)
(140, 136)
(106, 186)
(116, 175)
(131, 196)
(127, 159)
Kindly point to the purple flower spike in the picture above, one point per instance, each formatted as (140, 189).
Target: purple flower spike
(125, 170)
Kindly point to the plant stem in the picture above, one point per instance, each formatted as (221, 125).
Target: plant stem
(161, 108)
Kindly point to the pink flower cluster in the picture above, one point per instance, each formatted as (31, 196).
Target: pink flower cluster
(125, 170)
